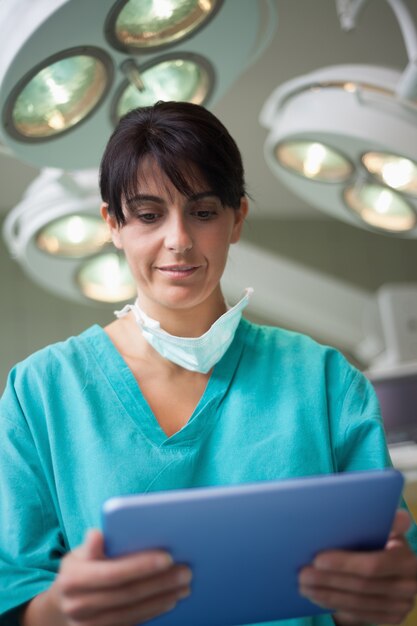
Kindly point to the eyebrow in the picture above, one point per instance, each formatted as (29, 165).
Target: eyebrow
(141, 198)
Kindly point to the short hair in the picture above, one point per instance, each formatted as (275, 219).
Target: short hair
(186, 141)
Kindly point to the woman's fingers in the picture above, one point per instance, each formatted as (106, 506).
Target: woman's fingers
(133, 614)
(388, 586)
(364, 618)
(93, 590)
(77, 573)
(397, 561)
(174, 582)
(93, 546)
(339, 600)
(401, 524)
(355, 608)
(362, 587)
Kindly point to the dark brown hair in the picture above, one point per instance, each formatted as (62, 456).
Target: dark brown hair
(186, 141)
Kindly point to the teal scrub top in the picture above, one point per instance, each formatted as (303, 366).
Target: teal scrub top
(75, 430)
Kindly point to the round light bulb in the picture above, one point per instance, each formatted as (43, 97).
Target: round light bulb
(314, 160)
(395, 171)
(73, 236)
(58, 97)
(381, 208)
(106, 278)
(153, 23)
(180, 79)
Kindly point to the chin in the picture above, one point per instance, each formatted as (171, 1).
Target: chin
(178, 298)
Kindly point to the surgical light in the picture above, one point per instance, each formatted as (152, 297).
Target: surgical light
(314, 160)
(344, 138)
(71, 68)
(184, 78)
(148, 24)
(74, 236)
(57, 235)
(59, 95)
(381, 208)
(106, 278)
(392, 170)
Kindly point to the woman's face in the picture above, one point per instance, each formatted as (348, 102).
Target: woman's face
(176, 246)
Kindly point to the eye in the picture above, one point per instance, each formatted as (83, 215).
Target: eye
(148, 217)
(204, 214)
(205, 211)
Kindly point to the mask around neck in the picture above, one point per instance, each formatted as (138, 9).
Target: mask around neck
(197, 354)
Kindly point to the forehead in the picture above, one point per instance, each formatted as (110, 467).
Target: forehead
(151, 178)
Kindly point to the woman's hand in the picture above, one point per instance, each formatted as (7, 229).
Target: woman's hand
(363, 587)
(91, 590)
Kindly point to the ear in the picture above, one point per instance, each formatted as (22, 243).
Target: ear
(114, 228)
(240, 216)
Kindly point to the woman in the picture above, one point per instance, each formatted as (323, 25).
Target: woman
(147, 404)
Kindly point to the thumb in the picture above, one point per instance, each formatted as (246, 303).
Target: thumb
(93, 546)
(400, 526)
(401, 523)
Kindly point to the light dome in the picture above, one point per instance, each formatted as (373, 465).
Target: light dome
(58, 95)
(381, 208)
(354, 127)
(106, 278)
(314, 160)
(392, 170)
(74, 236)
(186, 78)
(148, 24)
(57, 235)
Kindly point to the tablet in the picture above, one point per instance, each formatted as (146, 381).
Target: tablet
(246, 543)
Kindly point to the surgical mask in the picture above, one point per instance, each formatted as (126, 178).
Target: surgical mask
(198, 354)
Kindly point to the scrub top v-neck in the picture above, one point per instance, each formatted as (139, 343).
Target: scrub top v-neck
(128, 390)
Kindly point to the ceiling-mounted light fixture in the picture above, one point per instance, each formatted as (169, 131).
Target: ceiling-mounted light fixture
(60, 240)
(106, 278)
(392, 170)
(58, 94)
(185, 77)
(344, 138)
(134, 25)
(73, 236)
(380, 207)
(314, 160)
(71, 68)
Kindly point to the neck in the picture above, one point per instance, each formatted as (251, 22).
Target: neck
(186, 322)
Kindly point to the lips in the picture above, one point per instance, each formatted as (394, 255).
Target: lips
(177, 268)
(178, 271)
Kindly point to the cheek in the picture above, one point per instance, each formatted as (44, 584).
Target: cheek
(116, 238)
(141, 254)
(218, 248)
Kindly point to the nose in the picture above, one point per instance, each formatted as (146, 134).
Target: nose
(178, 237)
